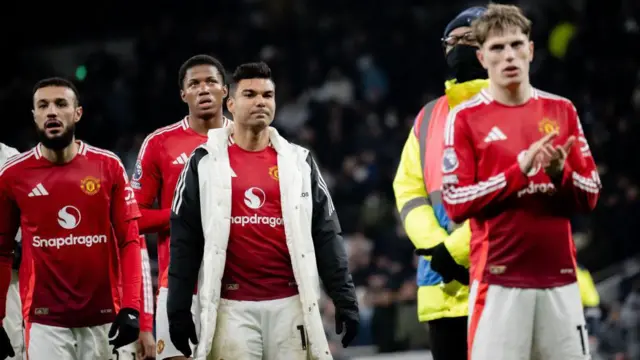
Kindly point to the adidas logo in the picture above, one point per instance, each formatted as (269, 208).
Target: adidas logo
(181, 160)
(495, 134)
(39, 190)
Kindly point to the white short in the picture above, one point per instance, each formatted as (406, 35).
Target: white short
(46, 342)
(12, 322)
(522, 324)
(164, 346)
(260, 330)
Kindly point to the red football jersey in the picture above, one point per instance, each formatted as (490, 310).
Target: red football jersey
(521, 234)
(162, 157)
(258, 263)
(79, 236)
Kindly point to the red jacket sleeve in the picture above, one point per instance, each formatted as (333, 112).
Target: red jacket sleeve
(124, 214)
(146, 182)
(9, 224)
(464, 195)
(580, 183)
(146, 290)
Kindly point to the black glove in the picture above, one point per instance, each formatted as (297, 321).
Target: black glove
(181, 330)
(350, 323)
(6, 350)
(125, 328)
(443, 263)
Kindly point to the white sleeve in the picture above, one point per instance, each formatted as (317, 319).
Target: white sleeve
(5, 153)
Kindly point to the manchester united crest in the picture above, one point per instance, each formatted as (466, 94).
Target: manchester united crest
(160, 347)
(547, 126)
(273, 172)
(90, 185)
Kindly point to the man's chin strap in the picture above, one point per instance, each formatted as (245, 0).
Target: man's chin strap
(457, 93)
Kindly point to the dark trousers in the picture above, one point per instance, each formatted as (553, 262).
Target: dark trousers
(448, 338)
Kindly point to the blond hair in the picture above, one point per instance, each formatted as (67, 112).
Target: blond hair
(498, 19)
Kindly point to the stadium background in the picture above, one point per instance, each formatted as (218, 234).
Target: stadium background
(350, 77)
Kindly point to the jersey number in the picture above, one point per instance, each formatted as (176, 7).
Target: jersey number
(581, 329)
(303, 338)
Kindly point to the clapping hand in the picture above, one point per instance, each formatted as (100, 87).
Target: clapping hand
(554, 157)
(535, 152)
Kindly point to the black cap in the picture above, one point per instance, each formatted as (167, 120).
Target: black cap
(465, 18)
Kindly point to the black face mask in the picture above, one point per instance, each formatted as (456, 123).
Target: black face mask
(464, 65)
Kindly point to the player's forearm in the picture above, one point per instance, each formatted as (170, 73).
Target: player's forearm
(331, 255)
(146, 322)
(130, 260)
(154, 220)
(146, 290)
(579, 183)
(186, 252)
(582, 190)
(332, 264)
(464, 201)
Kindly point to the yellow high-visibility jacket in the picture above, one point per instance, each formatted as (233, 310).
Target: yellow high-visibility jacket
(417, 188)
(590, 300)
(588, 292)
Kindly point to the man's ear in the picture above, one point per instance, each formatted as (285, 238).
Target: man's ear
(79, 111)
(480, 57)
(183, 96)
(230, 104)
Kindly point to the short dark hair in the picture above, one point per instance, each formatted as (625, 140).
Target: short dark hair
(56, 81)
(253, 70)
(201, 59)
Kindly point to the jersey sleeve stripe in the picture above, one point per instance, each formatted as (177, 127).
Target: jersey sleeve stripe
(16, 159)
(106, 153)
(484, 94)
(584, 183)
(82, 149)
(464, 194)
(111, 155)
(535, 93)
(180, 185)
(177, 196)
(103, 152)
(325, 189)
(549, 96)
(451, 118)
(160, 131)
(37, 152)
(147, 287)
(465, 190)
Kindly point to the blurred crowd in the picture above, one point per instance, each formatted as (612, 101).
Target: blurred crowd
(350, 78)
